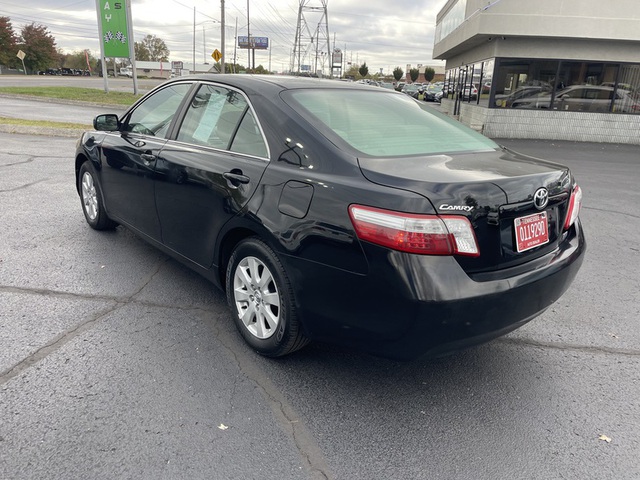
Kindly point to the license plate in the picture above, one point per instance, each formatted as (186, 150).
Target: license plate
(531, 231)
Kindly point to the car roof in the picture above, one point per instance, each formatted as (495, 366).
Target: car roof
(590, 87)
(272, 83)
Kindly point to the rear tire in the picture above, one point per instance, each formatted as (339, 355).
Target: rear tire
(262, 301)
(91, 198)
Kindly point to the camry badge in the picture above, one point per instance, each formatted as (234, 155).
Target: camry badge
(461, 208)
(541, 198)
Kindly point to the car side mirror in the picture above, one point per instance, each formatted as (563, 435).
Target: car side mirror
(108, 122)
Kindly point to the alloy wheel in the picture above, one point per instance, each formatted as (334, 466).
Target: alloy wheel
(89, 196)
(256, 297)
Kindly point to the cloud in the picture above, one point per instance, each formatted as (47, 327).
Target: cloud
(382, 33)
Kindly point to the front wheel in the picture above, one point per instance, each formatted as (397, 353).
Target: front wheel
(261, 298)
(91, 197)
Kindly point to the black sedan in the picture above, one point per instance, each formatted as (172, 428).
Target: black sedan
(336, 212)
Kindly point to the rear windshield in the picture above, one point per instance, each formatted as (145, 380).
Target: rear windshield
(382, 124)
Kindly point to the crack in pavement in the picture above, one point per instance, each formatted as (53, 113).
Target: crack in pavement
(130, 299)
(55, 344)
(293, 426)
(630, 352)
(286, 415)
(22, 187)
(66, 336)
(28, 160)
(624, 214)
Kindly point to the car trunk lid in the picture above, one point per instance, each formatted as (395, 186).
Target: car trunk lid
(492, 189)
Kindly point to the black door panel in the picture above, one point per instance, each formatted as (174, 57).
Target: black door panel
(211, 171)
(195, 195)
(129, 158)
(127, 179)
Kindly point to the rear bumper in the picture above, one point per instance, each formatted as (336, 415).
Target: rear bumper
(412, 305)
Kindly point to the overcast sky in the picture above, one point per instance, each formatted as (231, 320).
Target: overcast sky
(382, 33)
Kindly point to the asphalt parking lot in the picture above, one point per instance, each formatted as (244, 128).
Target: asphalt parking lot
(118, 362)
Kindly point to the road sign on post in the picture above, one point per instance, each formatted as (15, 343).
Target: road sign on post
(21, 56)
(217, 55)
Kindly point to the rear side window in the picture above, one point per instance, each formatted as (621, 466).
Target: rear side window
(219, 117)
(382, 124)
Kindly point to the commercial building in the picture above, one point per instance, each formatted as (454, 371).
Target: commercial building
(167, 69)
(438, 69)
(566, 70)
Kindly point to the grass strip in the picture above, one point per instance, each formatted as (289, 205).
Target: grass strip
(91, 95)
(43, 123)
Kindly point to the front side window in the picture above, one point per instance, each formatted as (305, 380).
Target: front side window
(219, 117)
(153, 116)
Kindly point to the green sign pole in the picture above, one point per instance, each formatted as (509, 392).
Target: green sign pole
(113, 27)
(115, 30)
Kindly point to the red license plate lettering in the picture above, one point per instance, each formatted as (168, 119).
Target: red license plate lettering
(531, 231)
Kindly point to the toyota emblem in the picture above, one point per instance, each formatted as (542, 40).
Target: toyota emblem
(541, 198)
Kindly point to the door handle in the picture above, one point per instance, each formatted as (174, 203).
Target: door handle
(147, 158)
(236, 178)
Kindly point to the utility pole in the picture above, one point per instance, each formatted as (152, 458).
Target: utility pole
(194, 40)
(222, 34)
(248, 37)
(235, 47)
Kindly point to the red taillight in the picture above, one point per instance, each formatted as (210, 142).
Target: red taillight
(413, 233)
(575, 202)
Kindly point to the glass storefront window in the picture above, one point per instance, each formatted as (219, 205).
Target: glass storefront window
(517, 81)
(566, 86)
(629, 78)
(581, 87)
(471, 83)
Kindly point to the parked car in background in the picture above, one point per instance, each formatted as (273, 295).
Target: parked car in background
(408, 236)
(583, 98)
(433, 93)
(470, 92)
(126, 72)
(368, 81)
(521, 93)
(621, 86)
(411, 88)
